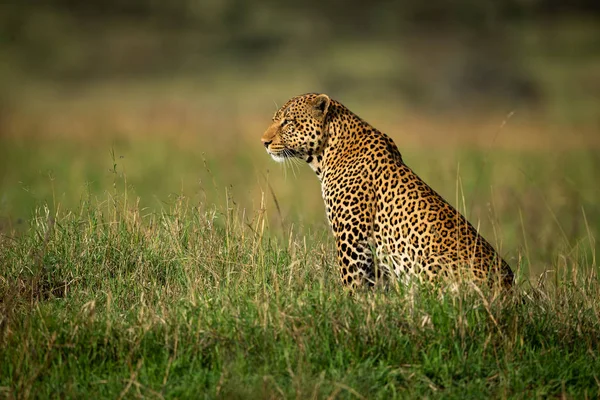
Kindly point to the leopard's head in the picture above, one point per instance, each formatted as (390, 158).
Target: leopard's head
(298, 128)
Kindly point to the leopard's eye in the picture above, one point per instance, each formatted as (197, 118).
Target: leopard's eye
(285, 122)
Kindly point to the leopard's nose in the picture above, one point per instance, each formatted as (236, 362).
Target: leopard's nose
(267, 143)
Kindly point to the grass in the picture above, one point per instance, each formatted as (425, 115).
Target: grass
(193, 302)
(167, 271)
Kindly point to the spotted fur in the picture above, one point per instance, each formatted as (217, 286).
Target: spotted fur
(385, 219)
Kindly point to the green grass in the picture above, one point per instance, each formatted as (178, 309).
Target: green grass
(150, 258)
(192, 302)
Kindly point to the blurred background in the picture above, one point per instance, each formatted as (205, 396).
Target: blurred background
(496, 104)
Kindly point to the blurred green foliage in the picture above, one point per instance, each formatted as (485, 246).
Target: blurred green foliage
(436, 55)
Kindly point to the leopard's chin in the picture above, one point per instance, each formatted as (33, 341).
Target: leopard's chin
(281, 156)
(278, 157)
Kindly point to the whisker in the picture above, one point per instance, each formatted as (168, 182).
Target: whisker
(284, 165)
(291, 158)
(294, 162)
(297, 163)
(293, 168)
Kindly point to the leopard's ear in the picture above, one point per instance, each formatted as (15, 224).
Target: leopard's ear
(320, 105)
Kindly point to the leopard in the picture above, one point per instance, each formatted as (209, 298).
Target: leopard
(386, 221)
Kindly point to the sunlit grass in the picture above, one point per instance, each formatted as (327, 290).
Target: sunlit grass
(198, 300)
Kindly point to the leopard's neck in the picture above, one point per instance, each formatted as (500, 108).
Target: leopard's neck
(343, 129)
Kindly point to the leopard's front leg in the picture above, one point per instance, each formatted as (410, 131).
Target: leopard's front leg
(355, 259)
(352, 225)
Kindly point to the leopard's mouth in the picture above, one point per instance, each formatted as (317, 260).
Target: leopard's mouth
(277, 157)
(282, 154)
